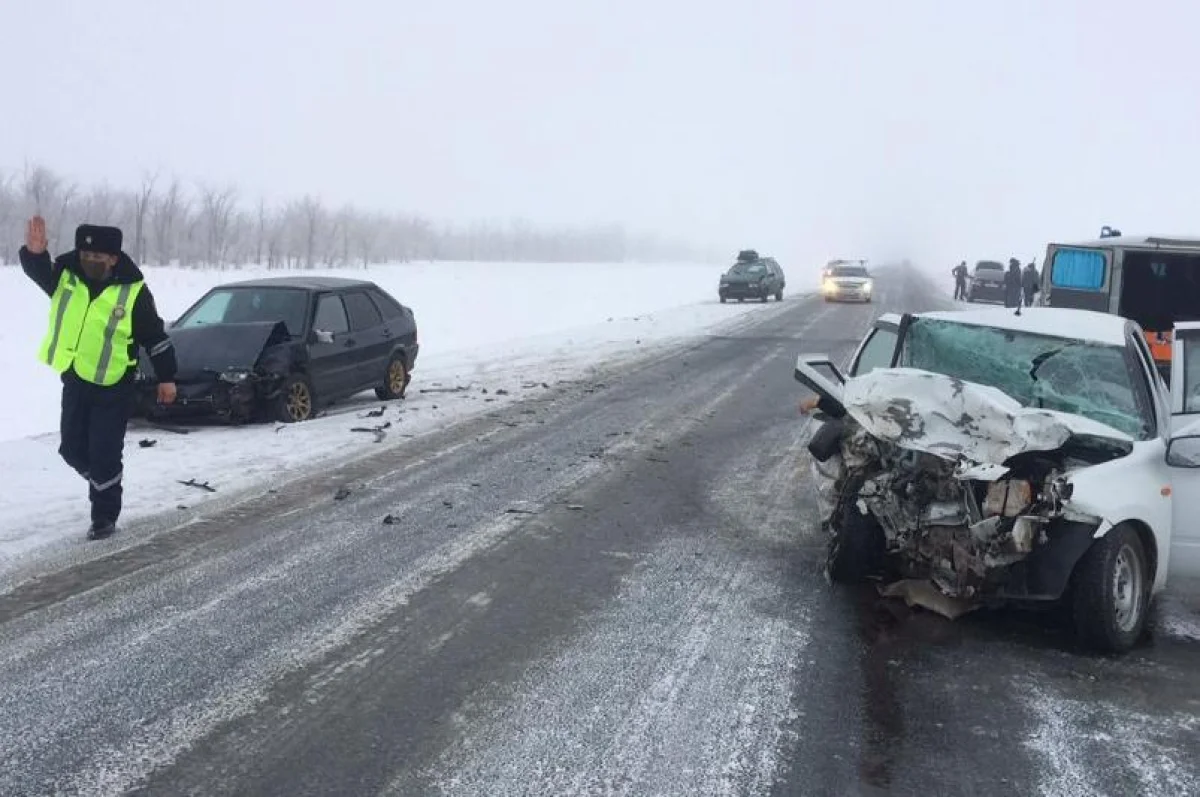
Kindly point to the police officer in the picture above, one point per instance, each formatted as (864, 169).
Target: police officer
(100, 313)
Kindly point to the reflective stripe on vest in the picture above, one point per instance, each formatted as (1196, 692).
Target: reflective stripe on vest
(93, 336)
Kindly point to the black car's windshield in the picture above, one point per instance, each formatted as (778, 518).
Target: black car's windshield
(849, 271)
(245, 305)
(756, 267)
(1088, 379)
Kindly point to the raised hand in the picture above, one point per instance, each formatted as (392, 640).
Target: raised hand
(35, 235)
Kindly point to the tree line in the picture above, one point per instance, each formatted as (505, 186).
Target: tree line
(167, 221)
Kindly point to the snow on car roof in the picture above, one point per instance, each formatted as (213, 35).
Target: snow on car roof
(1059, 322)
(1142, 241)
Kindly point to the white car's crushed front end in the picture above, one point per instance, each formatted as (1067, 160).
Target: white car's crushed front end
(966, 485)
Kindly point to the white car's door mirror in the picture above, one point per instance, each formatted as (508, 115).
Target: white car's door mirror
(323, 335)
(1184, 452)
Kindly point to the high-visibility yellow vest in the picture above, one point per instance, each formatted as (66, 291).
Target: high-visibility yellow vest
(94, 336)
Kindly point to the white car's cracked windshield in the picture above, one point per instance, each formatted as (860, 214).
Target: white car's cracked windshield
(1087, 379)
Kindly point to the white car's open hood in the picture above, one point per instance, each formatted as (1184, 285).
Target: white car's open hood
(958, 420)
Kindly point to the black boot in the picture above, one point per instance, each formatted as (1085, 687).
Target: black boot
(101, 529)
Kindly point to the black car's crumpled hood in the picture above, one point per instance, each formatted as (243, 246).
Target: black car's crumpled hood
(205, 351)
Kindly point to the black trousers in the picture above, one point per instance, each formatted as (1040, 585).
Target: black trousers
(93, 425)
(960, 289)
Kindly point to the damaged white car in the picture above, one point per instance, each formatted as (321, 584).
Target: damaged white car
(985, 456)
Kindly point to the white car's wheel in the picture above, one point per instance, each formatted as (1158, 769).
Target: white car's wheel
(1112, 591)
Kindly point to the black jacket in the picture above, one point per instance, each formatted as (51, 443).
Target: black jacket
(149, 331)
(1029, 278)
(1012, 287)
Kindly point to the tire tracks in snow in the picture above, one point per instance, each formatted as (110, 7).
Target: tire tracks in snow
(1092, 745)
(685, 680)
(690, 670)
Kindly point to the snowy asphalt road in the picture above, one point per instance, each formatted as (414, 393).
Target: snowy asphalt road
(611, 589)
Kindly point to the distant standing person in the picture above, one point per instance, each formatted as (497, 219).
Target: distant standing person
(1029, 281)
(960, 281)
(1012, 284)
(100, 312)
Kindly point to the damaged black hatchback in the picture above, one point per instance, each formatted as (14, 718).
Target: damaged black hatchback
(283, 347)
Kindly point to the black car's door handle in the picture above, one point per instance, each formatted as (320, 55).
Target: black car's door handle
(349, 342)
(387, 333)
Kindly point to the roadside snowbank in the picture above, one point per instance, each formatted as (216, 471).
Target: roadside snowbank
(507, 329)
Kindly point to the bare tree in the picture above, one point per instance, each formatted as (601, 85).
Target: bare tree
(216, 214)
(366, 234)
(312, 215)
(241, 230)
(141, 207)
(170, 224)
(100, 205)
(260, 231)
(191, 242)
(276, 229)
(330, 240)
(165, 214)
(8, 214)
(56, 221)
(41, 186)
(348, 220)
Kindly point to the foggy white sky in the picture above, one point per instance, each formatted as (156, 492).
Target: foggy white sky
(935, 130)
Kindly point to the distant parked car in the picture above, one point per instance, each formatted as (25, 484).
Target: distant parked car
(752, 277)
(987, 282)
(281, 348)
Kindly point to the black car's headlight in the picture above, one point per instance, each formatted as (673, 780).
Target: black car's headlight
(234, 375)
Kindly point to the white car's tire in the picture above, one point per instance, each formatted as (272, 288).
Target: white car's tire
(1111, 591)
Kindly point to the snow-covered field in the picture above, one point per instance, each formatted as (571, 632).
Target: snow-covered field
(484, 326)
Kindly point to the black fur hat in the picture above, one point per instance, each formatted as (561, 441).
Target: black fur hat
(105, 240)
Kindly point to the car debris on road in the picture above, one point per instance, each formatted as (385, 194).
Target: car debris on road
(205, 486)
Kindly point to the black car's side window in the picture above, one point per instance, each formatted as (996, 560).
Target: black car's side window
(386, 306)
(363, 314)
(331, 315)
(877, 353)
